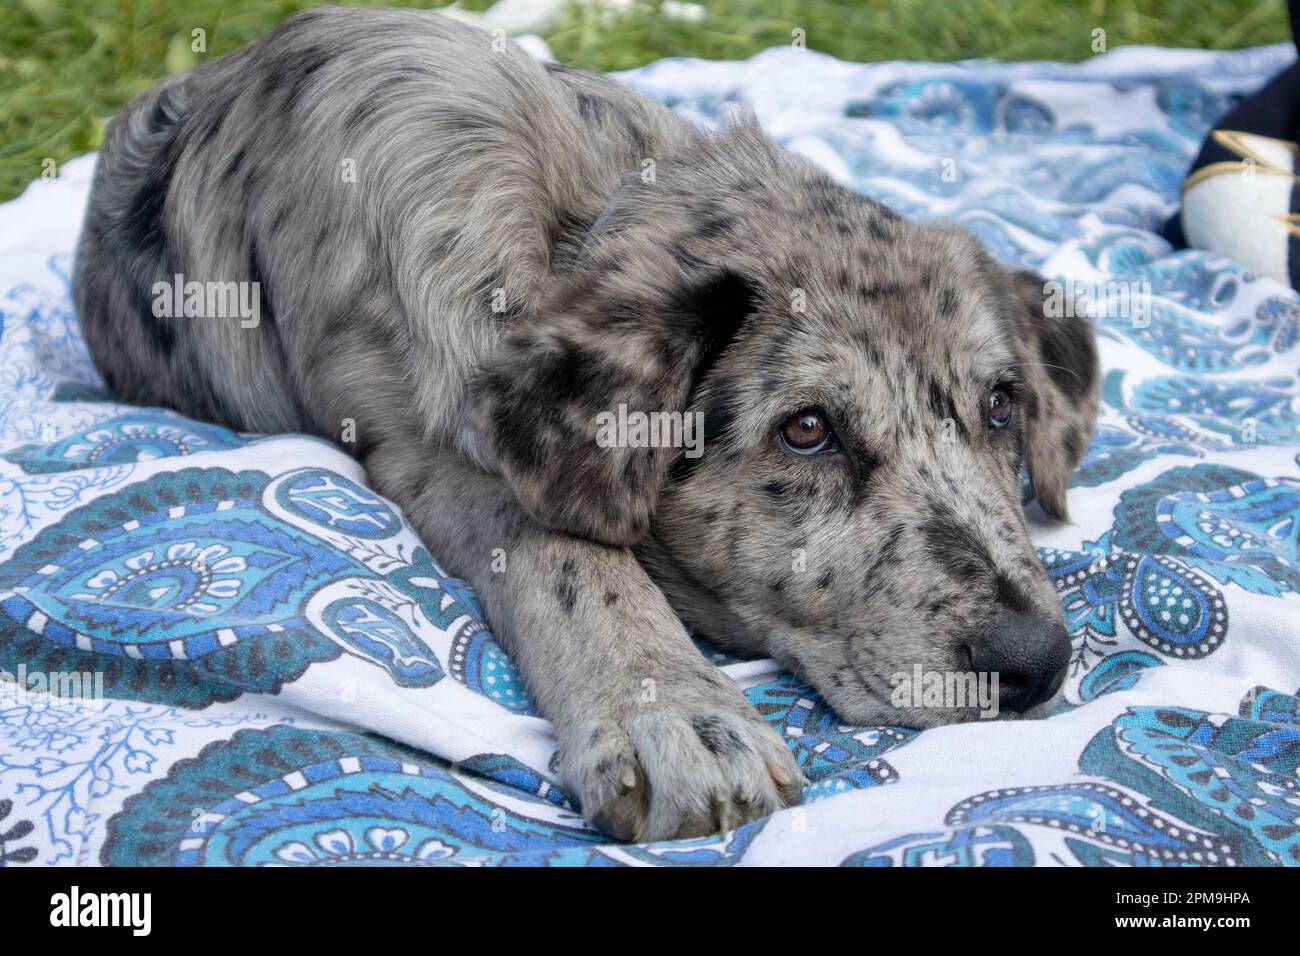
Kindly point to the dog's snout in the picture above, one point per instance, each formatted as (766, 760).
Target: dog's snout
(1029, 655)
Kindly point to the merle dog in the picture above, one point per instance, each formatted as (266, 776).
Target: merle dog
(470, 256)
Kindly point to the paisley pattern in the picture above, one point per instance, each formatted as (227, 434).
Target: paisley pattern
(141, 436)
(1096, 824)
(1099, 824)
(1270, 706)
(834, 757)
(968, 846)
(1178, 338)
(1119, 448)
(1236, 775)
(273, 642)
(1174, 787)
(1266, 410)
(1115, 672)
(309, 798)
(1160, 601)
(199, 585)
(478, 662)
(1235, 526)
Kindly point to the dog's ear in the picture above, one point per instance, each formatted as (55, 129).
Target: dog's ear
(1058, 361)
(633, 326)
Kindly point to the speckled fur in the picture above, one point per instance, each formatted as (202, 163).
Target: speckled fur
(741, 282)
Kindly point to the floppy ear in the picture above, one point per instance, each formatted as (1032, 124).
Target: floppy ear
(633, 326)
(1059, 364)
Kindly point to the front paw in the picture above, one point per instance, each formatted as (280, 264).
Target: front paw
(702, 763)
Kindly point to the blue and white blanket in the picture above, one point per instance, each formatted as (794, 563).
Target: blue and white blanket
(288, 678)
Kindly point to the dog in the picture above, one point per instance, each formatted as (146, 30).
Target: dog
(474, 257)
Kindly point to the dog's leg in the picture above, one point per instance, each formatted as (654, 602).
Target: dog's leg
(654, 741)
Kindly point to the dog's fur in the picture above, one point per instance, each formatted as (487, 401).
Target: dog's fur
(738, 280)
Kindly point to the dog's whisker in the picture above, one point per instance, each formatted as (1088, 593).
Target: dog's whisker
(1062, 368)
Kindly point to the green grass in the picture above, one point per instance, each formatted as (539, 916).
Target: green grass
(66, 65)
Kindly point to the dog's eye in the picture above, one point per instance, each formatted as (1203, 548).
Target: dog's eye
(807, 432)
(1000, 407)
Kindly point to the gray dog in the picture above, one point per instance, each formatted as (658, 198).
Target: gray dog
(469, 263)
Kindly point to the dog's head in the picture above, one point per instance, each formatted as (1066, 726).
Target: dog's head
(869, 389)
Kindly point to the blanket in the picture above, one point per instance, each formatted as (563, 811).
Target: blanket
(223, 649)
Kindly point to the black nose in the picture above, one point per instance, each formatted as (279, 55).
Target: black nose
(1029, 655)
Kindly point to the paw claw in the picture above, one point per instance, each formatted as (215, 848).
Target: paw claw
(652, 773)
(778, 773)
(621, 818)
(731, 816)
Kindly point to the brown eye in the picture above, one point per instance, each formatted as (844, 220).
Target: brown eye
(1000, 407)
(807, 432)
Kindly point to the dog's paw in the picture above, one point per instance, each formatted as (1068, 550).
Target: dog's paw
(674, 770)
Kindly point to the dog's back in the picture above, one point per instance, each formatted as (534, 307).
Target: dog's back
(396, 184)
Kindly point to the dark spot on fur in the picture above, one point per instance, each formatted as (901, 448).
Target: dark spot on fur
(567, 595)
(687, 261)
(826, 199)
(949, 413)
(294, 69)
(886, 553)
(954, 546)
(1010, 596)
(714, 227)
(1065, 346)
(361, 114)
(717, 738)
(865, 466)
(682, 468)
(235, 164)
(863, 340)
(948, 303)
(591, 108)
(1070, 355)
(938, 400)
(880, 229)
(886, 289)
(256, 275)
(1027, 399)
(712, 312)
(567, 377)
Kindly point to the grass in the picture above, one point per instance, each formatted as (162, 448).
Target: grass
(67, 65)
